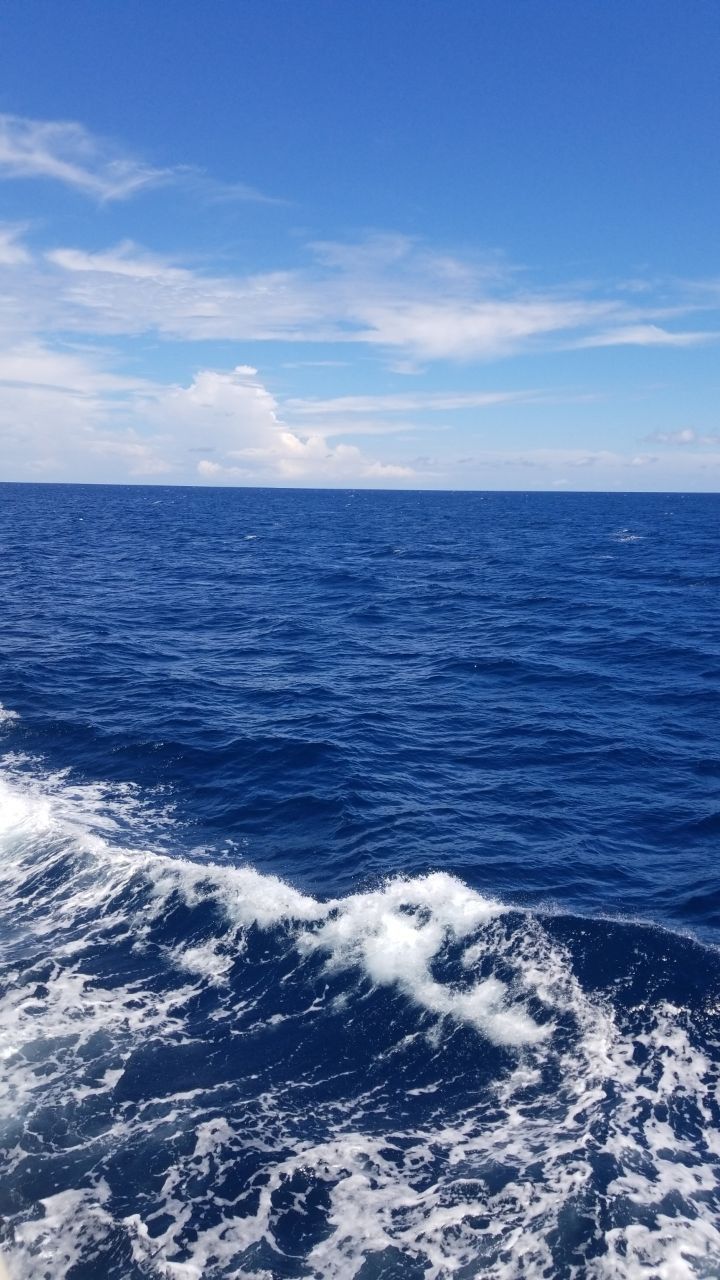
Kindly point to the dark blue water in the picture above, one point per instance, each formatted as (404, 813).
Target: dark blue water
(360, 904)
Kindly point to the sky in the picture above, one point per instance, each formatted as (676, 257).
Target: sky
(361, 243)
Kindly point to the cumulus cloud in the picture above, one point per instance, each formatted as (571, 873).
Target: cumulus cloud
(70, 414)
(312, 459)
(69, 408)
(233, 416)
(64, 415)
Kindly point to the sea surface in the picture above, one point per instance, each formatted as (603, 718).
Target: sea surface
(359, 884)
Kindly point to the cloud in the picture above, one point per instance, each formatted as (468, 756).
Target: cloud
(430, 401)
(70, 414)
(213, 191)
(125, 260)
(685, 436)
(233, 415)
(576, 469)
(49, 432)
(292, 459)
(460, 330)
(647, 335)
(387, 291)
(65, 415)
(34, 365)
(127, 290)
(12, 253)
(390, 302)
(384, 297)
(66, 152)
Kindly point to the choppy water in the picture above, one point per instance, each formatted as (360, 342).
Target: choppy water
(359, 898)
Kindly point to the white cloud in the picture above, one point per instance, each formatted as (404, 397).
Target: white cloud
(233, 415)
(460, 330)
(127, 290)
(389, 292)
(124, 260)
(69, 408)
(685, 436)
(63, 415)
(434, 401)
(402, 313)
(34, 365)
(12, 252)
(66, 152)
(291, 458)
(359, 296)
(584, 468)
(647, 335)
(67, 414)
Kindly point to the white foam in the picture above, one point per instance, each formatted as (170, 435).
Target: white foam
(574, 1085)
(625, 535)
(72, 1223)
(392, 934)
(395, 933)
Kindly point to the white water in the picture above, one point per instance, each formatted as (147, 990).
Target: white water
(482, 1184)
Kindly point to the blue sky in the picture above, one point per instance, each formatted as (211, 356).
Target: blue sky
(393, 243)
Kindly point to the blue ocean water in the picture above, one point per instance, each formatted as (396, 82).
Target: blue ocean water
(360, 905)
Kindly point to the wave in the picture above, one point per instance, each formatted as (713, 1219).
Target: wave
(211, 1073)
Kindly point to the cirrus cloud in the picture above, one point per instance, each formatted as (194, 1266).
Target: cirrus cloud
(66, 152)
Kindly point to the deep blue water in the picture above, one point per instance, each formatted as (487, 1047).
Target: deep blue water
(359, 909)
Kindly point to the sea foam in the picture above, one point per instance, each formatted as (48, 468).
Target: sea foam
(513, 1085)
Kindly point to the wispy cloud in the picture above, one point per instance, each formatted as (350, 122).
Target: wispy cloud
(213, 191)
(430, 401)
(647, 335)
(127, 290)
(456, 329)
(390, 292)
(34, 364)
(12, 252)
(125, 260)
(67, 152)
(388, 300)
(685, 436)
(578, 468)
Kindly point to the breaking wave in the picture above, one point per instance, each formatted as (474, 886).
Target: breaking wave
(209, 1073)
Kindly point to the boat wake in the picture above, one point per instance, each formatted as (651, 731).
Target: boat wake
(209, 1073)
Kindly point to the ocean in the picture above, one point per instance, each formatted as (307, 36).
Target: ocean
(359, 897)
